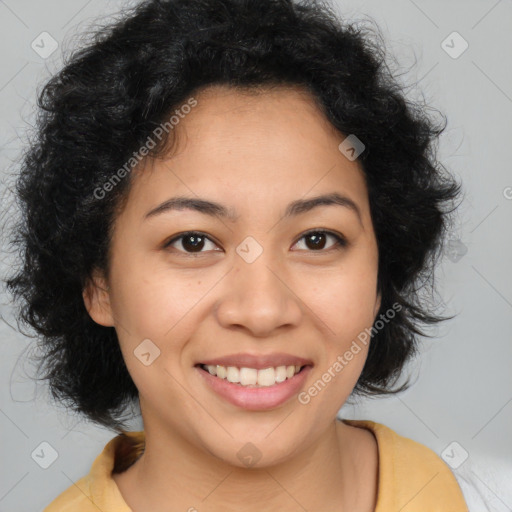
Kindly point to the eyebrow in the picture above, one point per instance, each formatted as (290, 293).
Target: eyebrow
(220, 211)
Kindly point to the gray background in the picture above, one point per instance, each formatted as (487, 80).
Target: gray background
(463, 385)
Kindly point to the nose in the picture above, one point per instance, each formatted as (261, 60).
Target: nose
(258, 298)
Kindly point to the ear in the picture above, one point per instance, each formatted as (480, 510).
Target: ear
(96, 297)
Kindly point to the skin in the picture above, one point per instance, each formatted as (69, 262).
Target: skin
(253, 153)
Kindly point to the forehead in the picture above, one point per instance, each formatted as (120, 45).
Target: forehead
(283, 111)
(258, 145)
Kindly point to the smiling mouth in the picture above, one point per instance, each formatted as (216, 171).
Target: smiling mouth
(252, 377)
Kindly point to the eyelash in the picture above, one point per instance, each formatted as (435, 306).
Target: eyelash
(341, 241)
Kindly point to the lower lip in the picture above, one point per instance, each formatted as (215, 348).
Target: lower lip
(256, 399)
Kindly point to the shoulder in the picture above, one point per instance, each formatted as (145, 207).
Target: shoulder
(97, 490)
(76, 498)
(412, 477)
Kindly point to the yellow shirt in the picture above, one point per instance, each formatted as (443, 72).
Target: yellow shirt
(412, 478)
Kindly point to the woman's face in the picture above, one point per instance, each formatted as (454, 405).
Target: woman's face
(253, 289)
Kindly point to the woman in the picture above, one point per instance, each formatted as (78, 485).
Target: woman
(229, 212)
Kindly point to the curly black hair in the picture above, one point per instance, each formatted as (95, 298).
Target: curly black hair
(112, 94)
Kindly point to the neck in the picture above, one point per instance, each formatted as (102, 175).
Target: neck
(173, 471)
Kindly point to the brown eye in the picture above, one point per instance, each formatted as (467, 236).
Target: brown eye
(317, 240)
(191, 242)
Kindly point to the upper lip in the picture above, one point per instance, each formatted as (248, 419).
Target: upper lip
(258, 361)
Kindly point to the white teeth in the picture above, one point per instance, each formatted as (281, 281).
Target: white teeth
(248, 376)
(233, 374)
(281, 374)
(267, 377)
(253, 377)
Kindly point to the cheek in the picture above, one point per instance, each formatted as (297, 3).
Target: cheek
(151, 301)
(152, 310)
(344, 301)
(343, 304)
